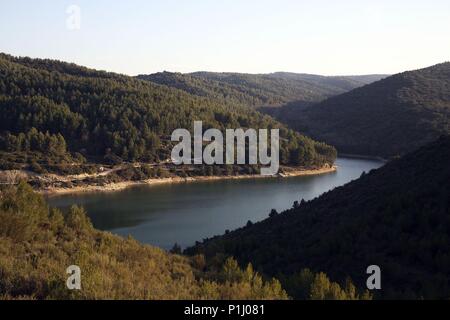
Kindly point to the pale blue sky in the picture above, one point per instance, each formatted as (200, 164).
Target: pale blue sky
(314, 36)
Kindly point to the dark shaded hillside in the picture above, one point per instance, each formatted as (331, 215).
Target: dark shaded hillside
(260, 90)
(386, 118)
(334, 84)
(68, 113)
(397, 217)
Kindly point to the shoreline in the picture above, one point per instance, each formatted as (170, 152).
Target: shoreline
(361, 156)
(118, 186)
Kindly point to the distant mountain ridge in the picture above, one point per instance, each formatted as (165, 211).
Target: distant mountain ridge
(260, 90)
(386, 118)
(396, 217)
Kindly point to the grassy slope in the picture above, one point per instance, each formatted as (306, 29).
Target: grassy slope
(38, 244)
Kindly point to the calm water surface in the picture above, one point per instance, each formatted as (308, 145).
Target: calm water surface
(187, 212)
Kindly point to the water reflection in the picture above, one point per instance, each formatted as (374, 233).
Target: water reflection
(184, 213)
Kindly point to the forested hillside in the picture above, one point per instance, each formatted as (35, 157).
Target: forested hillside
(38, 243)
(396, 217)
(386, 118)
(55, 112)
(260, 90)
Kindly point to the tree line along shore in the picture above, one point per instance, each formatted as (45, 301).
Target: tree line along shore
(117, 178)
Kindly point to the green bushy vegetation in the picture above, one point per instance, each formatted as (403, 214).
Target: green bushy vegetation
(396, 217)
(38, 243)
(306, 285)
(35, 141)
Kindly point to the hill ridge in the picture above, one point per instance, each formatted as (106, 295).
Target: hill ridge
(386, 118)
(397, 217)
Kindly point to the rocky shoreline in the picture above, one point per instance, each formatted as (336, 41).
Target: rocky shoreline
(117, 186)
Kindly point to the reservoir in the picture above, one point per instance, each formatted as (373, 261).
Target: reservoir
(165, 214)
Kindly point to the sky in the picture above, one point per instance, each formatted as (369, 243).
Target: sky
(328, 37)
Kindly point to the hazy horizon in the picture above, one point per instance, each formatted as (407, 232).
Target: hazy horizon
(324, 38)
(208, 71)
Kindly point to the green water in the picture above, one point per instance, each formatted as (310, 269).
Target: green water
(187, 212)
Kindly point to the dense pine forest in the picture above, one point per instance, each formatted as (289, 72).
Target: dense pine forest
(38, 243)
(55, 113)
(260, 90)
(387, 118)
(396, 217)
